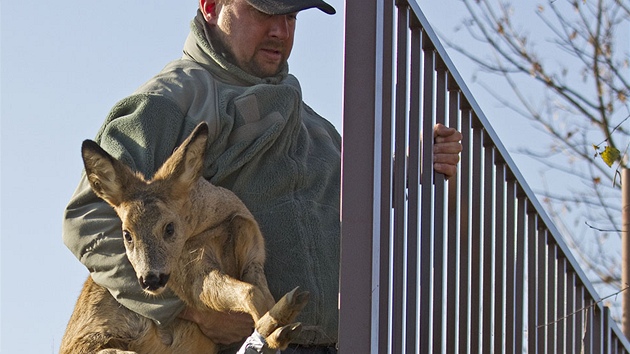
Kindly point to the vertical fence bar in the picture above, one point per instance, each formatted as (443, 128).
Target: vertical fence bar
(427, 195)
(589, 326)
(542, 274)
(510, 254)
(400, 183)
(499, 251)
(519, 270)
(598, 333)
(488, 215)
(415, 330)
(532, 282)
(452, 274)
(382, 254)
(551, 295)
(561, 305)
(439, 233)
(571, 309)
(606, 337)
(476, 236)
(580, 319)
(464, 255)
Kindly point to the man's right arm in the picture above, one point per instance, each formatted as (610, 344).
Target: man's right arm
(142, 131)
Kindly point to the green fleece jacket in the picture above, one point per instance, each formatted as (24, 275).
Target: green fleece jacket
(279, 156)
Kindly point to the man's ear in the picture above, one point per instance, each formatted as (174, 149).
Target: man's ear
(209, 9)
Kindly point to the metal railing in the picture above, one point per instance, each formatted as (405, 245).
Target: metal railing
(472, 264)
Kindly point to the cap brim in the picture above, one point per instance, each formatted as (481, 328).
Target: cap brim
(282, 7)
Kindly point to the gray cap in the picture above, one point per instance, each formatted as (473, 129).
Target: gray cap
(281, 7)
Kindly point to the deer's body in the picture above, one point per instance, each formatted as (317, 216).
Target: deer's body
(182, 232)
(99, 322)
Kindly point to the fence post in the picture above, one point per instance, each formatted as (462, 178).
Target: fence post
(362, 185)
(625, 251)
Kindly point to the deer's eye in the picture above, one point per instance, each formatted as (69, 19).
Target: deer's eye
(127, 236)
(169, 230)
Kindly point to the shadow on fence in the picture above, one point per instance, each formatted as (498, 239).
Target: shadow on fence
(472, 264)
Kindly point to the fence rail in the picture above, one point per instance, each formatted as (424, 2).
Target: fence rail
(472, 264)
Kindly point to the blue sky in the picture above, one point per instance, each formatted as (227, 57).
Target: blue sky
(64, 64)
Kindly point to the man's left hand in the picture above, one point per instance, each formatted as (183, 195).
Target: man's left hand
(446, 149)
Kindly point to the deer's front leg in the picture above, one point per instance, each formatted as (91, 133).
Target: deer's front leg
(254, 274)
(275, 331)
(276, 325)
(249, 253)
(223, 293)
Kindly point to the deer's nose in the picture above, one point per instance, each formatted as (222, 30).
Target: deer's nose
(153, 281)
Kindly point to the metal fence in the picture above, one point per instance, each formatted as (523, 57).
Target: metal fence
(472, 264)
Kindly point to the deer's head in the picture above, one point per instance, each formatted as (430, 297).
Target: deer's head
(152, 211)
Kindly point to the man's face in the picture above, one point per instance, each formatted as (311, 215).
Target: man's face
(259, 43)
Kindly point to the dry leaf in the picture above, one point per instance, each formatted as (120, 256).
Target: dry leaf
(610, 155)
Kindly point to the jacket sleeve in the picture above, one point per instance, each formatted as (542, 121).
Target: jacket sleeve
(142, 131)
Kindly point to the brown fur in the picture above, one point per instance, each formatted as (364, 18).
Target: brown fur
(182, 232)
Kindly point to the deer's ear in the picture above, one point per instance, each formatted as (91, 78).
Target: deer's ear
(108, 177)
(185, 166)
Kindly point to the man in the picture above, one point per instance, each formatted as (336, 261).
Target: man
(266, 145)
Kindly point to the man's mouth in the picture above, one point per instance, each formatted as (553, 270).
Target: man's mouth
(272, 54)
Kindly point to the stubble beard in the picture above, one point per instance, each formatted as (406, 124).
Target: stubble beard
(221, 46)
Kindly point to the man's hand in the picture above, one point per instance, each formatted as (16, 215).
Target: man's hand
(221, 327)
(446, 149)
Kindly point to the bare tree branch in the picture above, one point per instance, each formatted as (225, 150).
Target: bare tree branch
(573, 85)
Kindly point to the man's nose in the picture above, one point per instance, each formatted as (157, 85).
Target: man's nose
(280, 27)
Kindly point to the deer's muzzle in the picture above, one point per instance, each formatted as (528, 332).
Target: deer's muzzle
(153, 282)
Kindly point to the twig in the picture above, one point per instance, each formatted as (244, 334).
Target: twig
(615, 128)
(583, 308)
(601, 230)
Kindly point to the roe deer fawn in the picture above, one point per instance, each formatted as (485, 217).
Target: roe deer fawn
(179, 231)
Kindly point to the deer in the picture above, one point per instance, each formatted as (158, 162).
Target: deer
(182, 232)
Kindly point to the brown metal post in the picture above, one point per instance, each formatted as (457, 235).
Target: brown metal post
(360, 186)
(625, 251)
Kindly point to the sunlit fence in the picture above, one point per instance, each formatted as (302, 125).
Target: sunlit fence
(472, 264)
